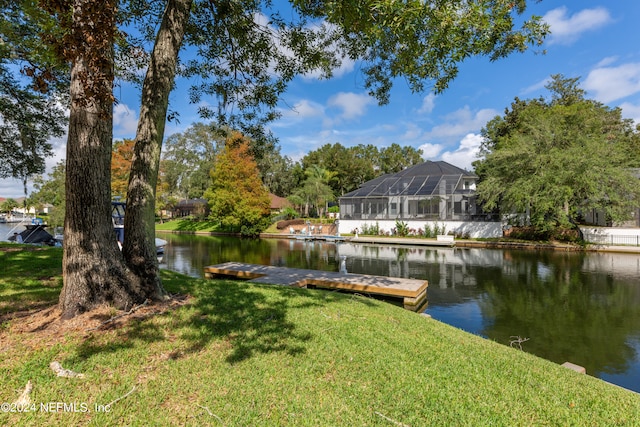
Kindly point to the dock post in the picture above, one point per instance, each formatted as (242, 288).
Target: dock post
(343, 264)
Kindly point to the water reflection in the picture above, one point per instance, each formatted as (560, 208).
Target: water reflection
(577, 307)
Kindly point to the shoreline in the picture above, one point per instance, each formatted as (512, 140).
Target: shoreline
(462, 243)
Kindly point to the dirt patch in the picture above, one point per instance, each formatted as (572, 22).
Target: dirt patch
(41, 327)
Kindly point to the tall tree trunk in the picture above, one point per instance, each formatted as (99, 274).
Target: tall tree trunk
(139, 236)
(94, 271)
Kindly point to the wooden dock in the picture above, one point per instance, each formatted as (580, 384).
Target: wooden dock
(413, 292)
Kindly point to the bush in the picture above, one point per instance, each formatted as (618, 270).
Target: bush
(402, 228)
(370, 230)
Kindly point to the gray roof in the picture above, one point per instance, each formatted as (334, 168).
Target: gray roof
(424, 179)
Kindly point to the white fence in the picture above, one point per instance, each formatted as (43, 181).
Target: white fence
(472, 229)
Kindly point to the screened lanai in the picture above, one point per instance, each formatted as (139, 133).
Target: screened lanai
(430, 191)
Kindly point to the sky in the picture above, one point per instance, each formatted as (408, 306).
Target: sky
(596, 41)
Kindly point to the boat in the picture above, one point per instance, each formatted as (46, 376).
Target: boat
(35, 234)
(118, 209)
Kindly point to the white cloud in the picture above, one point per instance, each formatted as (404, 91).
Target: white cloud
(611, 83)
(352, 104)
(430, 151)
(125, 122)
(606, 61)
(412, 133)
(466, 153)
(428, 104)
(304, 109)
(536, 87)
(463, 121)
(11, 189)
(631, 111)
(346, 66)
(567, 29)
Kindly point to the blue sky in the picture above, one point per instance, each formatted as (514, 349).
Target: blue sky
(594, 40)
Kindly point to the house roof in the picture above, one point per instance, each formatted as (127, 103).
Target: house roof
(278, 202)
(424, 179)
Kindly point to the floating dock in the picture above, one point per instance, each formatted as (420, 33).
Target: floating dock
(413, 292)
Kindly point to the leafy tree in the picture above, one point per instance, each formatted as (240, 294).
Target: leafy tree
(30, 115)
(556, 159)
(356, 165)
(395, 158)
(120, 167)
(8, 205)
(51, 191)
(28, 120)
(237, 197)
(316, 190)
(189, 157)
(94, 271)
(277, 173)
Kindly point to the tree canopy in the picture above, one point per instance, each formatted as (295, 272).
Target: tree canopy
(355, 165)
(557, 159)
(237, 197)
(189, 157)
(51, 191)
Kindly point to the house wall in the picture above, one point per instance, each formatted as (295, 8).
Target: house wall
(474, 229)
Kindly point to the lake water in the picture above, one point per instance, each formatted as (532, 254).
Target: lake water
(578, 307)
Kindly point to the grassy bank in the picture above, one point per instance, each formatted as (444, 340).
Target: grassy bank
(188, 225)
(239, 354)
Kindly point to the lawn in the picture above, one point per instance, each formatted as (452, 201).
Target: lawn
(237, 354)
(189, 225)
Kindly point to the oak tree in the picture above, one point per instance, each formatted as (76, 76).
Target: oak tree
(553, 160)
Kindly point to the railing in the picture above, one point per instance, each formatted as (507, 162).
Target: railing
(613, 239)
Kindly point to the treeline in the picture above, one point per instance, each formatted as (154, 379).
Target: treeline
(318, 178)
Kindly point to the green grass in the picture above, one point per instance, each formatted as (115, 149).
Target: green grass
(240, 354)
(188, 225)
(30, 276)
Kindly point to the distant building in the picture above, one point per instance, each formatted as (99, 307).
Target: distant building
(433, 191)
(277, 203)
(191, 207)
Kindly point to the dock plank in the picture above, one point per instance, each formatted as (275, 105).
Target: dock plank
(412, 291)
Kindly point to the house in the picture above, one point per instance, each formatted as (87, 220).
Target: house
(277, 203)
(427, 191)
(191, 207)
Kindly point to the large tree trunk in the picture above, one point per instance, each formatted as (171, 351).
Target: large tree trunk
(94, 271)
(139, 236)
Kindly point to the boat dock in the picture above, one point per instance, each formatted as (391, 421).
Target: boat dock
(413, 292)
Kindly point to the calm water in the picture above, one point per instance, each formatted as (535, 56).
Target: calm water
(582, 308)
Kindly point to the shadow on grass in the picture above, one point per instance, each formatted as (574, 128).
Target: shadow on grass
(246, 318)
(20, 291)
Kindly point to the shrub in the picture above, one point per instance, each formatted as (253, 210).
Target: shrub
(372, 230)
(402, 228)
